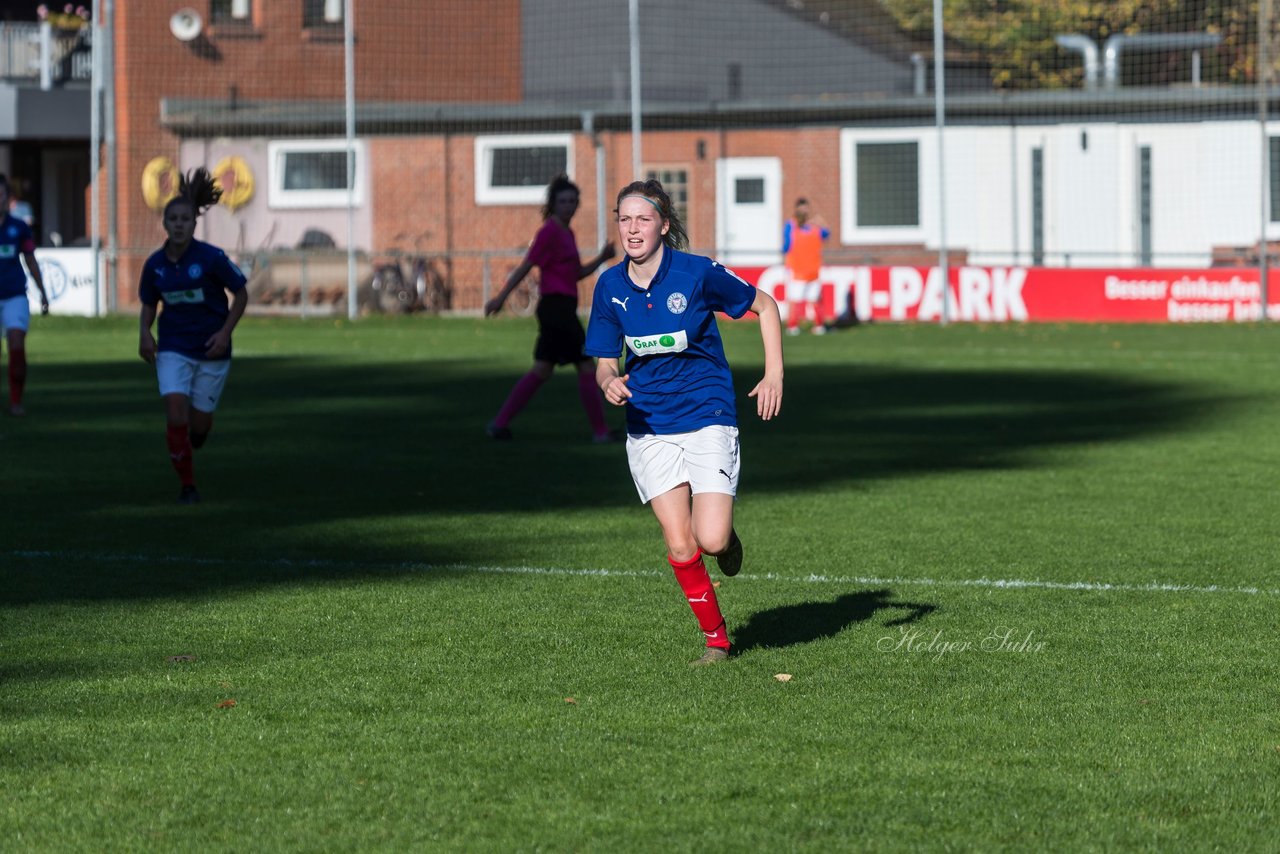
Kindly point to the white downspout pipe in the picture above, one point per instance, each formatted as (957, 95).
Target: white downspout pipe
(1088, 51)
(1118, 43)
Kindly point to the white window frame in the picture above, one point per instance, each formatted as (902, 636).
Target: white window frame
(850, 231)
(487, 194)
(279, 197)
(238, 12)
(331, 12)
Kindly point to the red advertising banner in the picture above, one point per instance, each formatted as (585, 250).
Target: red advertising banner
(1036, 293)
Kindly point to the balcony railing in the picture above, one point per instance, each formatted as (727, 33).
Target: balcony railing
(69, 59)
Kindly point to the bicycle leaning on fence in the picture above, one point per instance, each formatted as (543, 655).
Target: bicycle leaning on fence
(409, 282)
(522, 301)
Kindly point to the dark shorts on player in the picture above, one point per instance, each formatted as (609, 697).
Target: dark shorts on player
(560, 333)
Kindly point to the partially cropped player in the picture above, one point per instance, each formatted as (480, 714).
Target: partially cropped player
(193, 355)
(658, 308)
(554, 252)
(16, 242)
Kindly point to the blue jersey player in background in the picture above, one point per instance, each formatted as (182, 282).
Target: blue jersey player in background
(658, 307)
(193, 355)
(17, 247)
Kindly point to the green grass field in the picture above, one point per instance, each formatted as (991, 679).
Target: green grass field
(1024, 580)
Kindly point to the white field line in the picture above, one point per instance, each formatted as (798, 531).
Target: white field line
(812, 578)
(1071, 355)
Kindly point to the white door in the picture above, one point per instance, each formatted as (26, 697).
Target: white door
(749, 211)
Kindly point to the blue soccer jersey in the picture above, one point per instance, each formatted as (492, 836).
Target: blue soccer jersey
(15, 239)
(679, 379)
(194, 292)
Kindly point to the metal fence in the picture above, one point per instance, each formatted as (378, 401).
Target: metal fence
(1034, 142)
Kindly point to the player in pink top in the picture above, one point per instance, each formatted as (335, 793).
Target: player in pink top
(554, 252)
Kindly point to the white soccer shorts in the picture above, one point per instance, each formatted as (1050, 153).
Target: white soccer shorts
(201, 380)
(799, 291)
(706, 459)
(15, 313)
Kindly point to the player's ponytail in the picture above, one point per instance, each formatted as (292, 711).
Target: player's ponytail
(198, 189)
(676, 237)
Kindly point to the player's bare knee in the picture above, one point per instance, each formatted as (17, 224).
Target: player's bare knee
(682, 555)
(715, 545)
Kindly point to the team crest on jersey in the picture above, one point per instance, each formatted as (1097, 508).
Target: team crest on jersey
(677, 303)
(195, 271)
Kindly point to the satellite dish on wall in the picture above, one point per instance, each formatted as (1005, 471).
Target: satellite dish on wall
(186, 25)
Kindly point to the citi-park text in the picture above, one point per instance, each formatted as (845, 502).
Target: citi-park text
(1037, 294)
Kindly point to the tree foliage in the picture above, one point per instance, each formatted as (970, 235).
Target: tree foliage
(1015, 38)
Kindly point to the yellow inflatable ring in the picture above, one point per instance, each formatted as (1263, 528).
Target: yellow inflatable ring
(159, 182)
(235, 178)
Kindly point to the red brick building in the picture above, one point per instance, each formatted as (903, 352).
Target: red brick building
(289, 55)
(461, 117)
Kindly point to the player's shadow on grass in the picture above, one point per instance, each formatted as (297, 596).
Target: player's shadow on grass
(789, 625)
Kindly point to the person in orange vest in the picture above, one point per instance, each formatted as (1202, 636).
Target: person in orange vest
(802, 249)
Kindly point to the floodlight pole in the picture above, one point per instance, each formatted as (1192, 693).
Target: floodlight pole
(940, 120)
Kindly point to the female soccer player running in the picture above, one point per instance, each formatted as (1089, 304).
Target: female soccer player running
(16, 241)
(554, 251)
(682, 442)
(193, 356)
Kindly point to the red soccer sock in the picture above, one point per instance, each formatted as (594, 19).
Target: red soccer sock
(17, 375)
(593, 402)
(521, 394)
(180, 453)
(793, 315)
(696, 584)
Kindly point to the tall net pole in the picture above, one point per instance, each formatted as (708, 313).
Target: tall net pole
(1264, 81)
(95, 159)
(113, 151)
(940, 122)
(349, 72)
(634, 27)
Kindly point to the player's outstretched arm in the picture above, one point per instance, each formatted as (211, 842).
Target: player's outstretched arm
(33, 269)
(768, 392)
(494, 305)
(146, 341)
(219, 342)
(606, 252)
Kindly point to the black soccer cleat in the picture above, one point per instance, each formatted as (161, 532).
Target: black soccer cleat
(188, 495)
(730, 560)
(501, 434)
